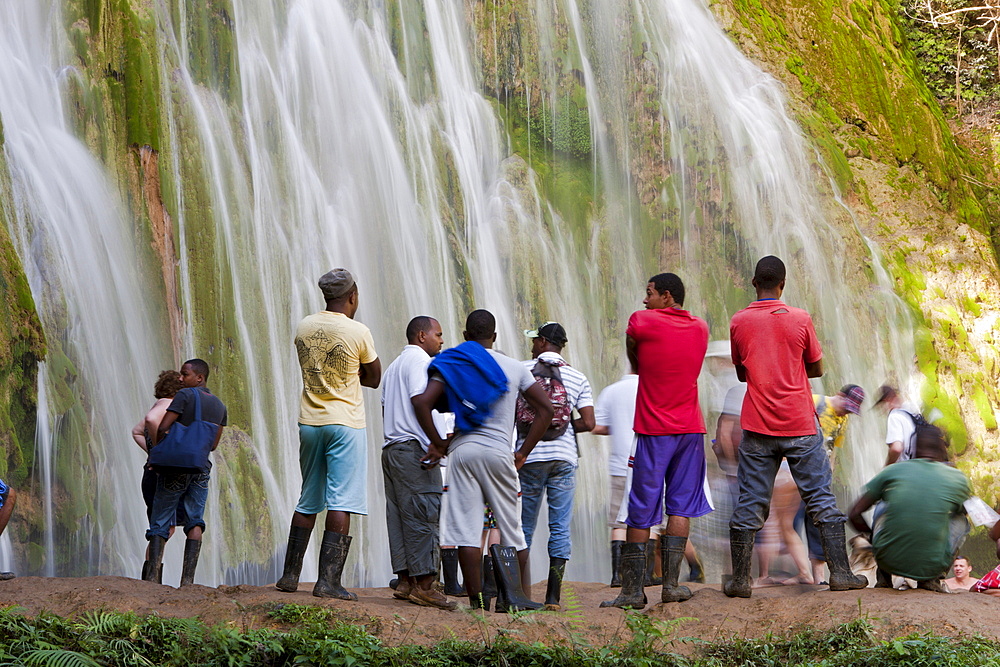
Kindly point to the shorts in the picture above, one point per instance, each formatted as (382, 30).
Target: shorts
(670, 468)
(477, 475)
(334, 467)
(617, 487)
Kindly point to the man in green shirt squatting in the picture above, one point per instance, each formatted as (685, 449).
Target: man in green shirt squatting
(923, 524)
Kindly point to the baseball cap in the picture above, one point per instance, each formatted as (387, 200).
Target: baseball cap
(550, 331)
(336, 283)
(854, 396)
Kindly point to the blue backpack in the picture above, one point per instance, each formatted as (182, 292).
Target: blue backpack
(185, 450)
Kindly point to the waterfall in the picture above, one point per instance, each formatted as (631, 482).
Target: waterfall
(358, 134)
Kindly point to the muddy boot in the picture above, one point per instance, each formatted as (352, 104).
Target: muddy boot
(511, 595)
(449, 568)
(650, 578)
(489, 583)
(741, 548)
(145, 570)
(557, 568)
(672, 550)
(332, 556)
(835, 548)
(883, 579)
(298, 542)
(7, 576)
(616, 563)
(155, 571)
(933, 585)
(633, 570)
(192, 548)
(479, 602)
(697, 573)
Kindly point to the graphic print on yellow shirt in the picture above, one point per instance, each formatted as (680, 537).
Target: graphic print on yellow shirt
(331, 348)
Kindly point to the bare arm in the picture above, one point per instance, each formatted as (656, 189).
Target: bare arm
(895, 450)
(858, 521)
(632, 351)
(139, 434)
(422, 406)
(814, 369)
(165, 424)
(539, 400)
(600, 429)
(218, 436)
(725, 445)
(371, 374)
(586, 422)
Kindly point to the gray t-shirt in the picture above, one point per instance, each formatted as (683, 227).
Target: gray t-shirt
(498, 429)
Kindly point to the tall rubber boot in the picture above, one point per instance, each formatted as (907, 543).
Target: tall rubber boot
(489, 583)
(557, 568)
(633, 571)
(883, 579)
(741, 548)
(508, 570)
(835, 548)
(192, 548)
(651, 579)
(449, 568)
(298, 542)
(697, 573)
(145, 569)
(332, 556)
(155, 571)
(672, 555)
(616, 563)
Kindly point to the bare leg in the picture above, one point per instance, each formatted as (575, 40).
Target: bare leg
(786, 503)
(470, 559)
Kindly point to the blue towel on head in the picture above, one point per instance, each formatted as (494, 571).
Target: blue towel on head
(473, 381)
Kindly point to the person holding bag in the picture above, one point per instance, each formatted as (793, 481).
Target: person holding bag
(189, 431)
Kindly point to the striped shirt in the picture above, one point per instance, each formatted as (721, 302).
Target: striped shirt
(578, 391)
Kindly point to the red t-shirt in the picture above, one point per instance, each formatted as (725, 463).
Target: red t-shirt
(774, 342)
(671, 345)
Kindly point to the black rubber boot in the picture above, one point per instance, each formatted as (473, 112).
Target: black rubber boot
(298, 542)
(155, 571)
(633, 570)
(192, 548)
(489, 583)
(672, 555)
(7, 576)
(741, 548)
(835, 548)
(145, 569)
(883, 579)
(449, 568)
(697, 573)
(651, 579)
(332, 556)
(557, 568)
(616, 563)
(511, 595)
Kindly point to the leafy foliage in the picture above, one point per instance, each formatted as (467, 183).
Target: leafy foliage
(317, 638)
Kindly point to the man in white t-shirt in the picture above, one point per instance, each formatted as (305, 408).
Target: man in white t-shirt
(481, 466)
(550, 469)
(412, 491)
(900, 425)
(614, 415)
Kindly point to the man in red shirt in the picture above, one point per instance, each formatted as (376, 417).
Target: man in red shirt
(776, 351)
(666, 345)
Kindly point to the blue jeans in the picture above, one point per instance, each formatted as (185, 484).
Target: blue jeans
(169, 490)
(557, 480)
(760, 457)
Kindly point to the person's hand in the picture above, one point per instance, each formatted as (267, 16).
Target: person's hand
(519, 457)
(432, 457)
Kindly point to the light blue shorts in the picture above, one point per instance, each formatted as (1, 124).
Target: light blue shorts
(334, 467)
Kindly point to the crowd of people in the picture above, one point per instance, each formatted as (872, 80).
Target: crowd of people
(474, 440)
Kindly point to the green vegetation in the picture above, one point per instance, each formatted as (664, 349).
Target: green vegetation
(314, 636)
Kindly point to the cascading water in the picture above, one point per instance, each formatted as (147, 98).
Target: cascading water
(358, 134)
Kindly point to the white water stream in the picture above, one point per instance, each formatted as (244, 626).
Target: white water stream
(338, 150)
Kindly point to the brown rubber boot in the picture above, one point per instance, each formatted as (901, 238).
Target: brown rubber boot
(633, 571)
(672, 550)
(332, 556)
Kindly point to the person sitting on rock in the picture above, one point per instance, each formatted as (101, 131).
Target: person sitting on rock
(922, 525)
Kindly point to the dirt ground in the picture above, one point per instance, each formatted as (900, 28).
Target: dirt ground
(709, 614)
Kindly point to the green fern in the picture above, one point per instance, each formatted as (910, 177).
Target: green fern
(57, 658)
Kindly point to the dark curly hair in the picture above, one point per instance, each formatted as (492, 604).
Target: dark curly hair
(167, 385)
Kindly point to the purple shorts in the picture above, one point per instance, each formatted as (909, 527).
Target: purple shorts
(677, 461)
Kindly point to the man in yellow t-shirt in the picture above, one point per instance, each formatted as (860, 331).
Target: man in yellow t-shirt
(832, 412)
(337, 356)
